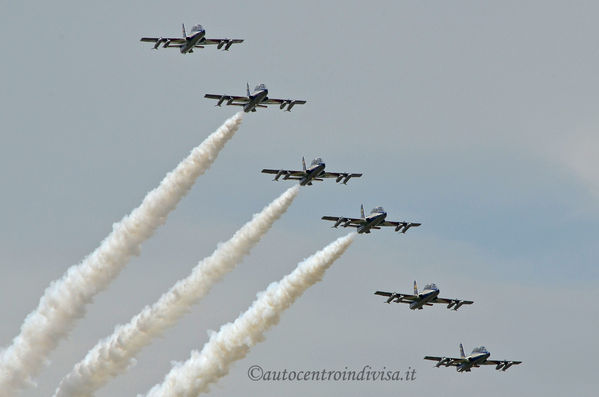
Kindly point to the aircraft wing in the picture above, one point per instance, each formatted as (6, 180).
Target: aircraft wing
(220, 43)
(400, 226)
(230, 100)
(340, 176)
(452, 303)
(502, 365)
(345, 222)
(397, 297)
(289, 103)
(445, 361)
(164, 41)
(286, 174)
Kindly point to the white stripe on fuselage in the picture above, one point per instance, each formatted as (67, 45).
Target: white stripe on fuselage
(371, 221)
(190, 42)
(255, 99)
(424, 297)
(473, 360)
(312, 173)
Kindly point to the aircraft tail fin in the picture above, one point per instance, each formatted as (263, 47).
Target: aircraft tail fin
(362, 211)
(462, 351)
(247, 87)
(304, 164)
(183, 28)
(415, 288)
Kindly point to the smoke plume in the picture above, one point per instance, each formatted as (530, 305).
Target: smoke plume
(64, 301)
(234, 340)
(113, 355)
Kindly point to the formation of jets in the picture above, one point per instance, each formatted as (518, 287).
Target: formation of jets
(427, 297)
(374, 220)
(315, 172)
(186, 44)
(258, 98)
(479, 356)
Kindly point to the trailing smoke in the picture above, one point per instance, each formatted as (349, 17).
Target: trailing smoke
(234, 340)
(112, 356)
(64, 300)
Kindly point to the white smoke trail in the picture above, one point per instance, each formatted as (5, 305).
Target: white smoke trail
(233, 341)
(113, 355)
(64, 300)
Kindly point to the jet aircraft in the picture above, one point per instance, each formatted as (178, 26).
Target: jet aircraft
(315, 172)
(478, 357)
(186, 44)
(427, 297)
(375, 220)
(256, 99)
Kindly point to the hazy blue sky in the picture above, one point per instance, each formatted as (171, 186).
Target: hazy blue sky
(478, 119)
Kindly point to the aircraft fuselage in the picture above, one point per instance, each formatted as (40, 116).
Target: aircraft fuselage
(472, 361)
(192, 41)
(255, 100)
(311, 173)
(424, 297)
(372, 221)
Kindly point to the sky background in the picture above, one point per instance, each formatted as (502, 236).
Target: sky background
(479, 120)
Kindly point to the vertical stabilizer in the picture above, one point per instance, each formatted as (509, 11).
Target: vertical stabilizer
(247, 87)
(183, 28)
(415, 288)
(462, 351)
(304, 163)
(362, 211)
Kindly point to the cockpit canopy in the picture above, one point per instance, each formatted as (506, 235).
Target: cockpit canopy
(316, 161)
(377, 210)
(480, 349)
(197, 28)
(431, 286)
(260, 87)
